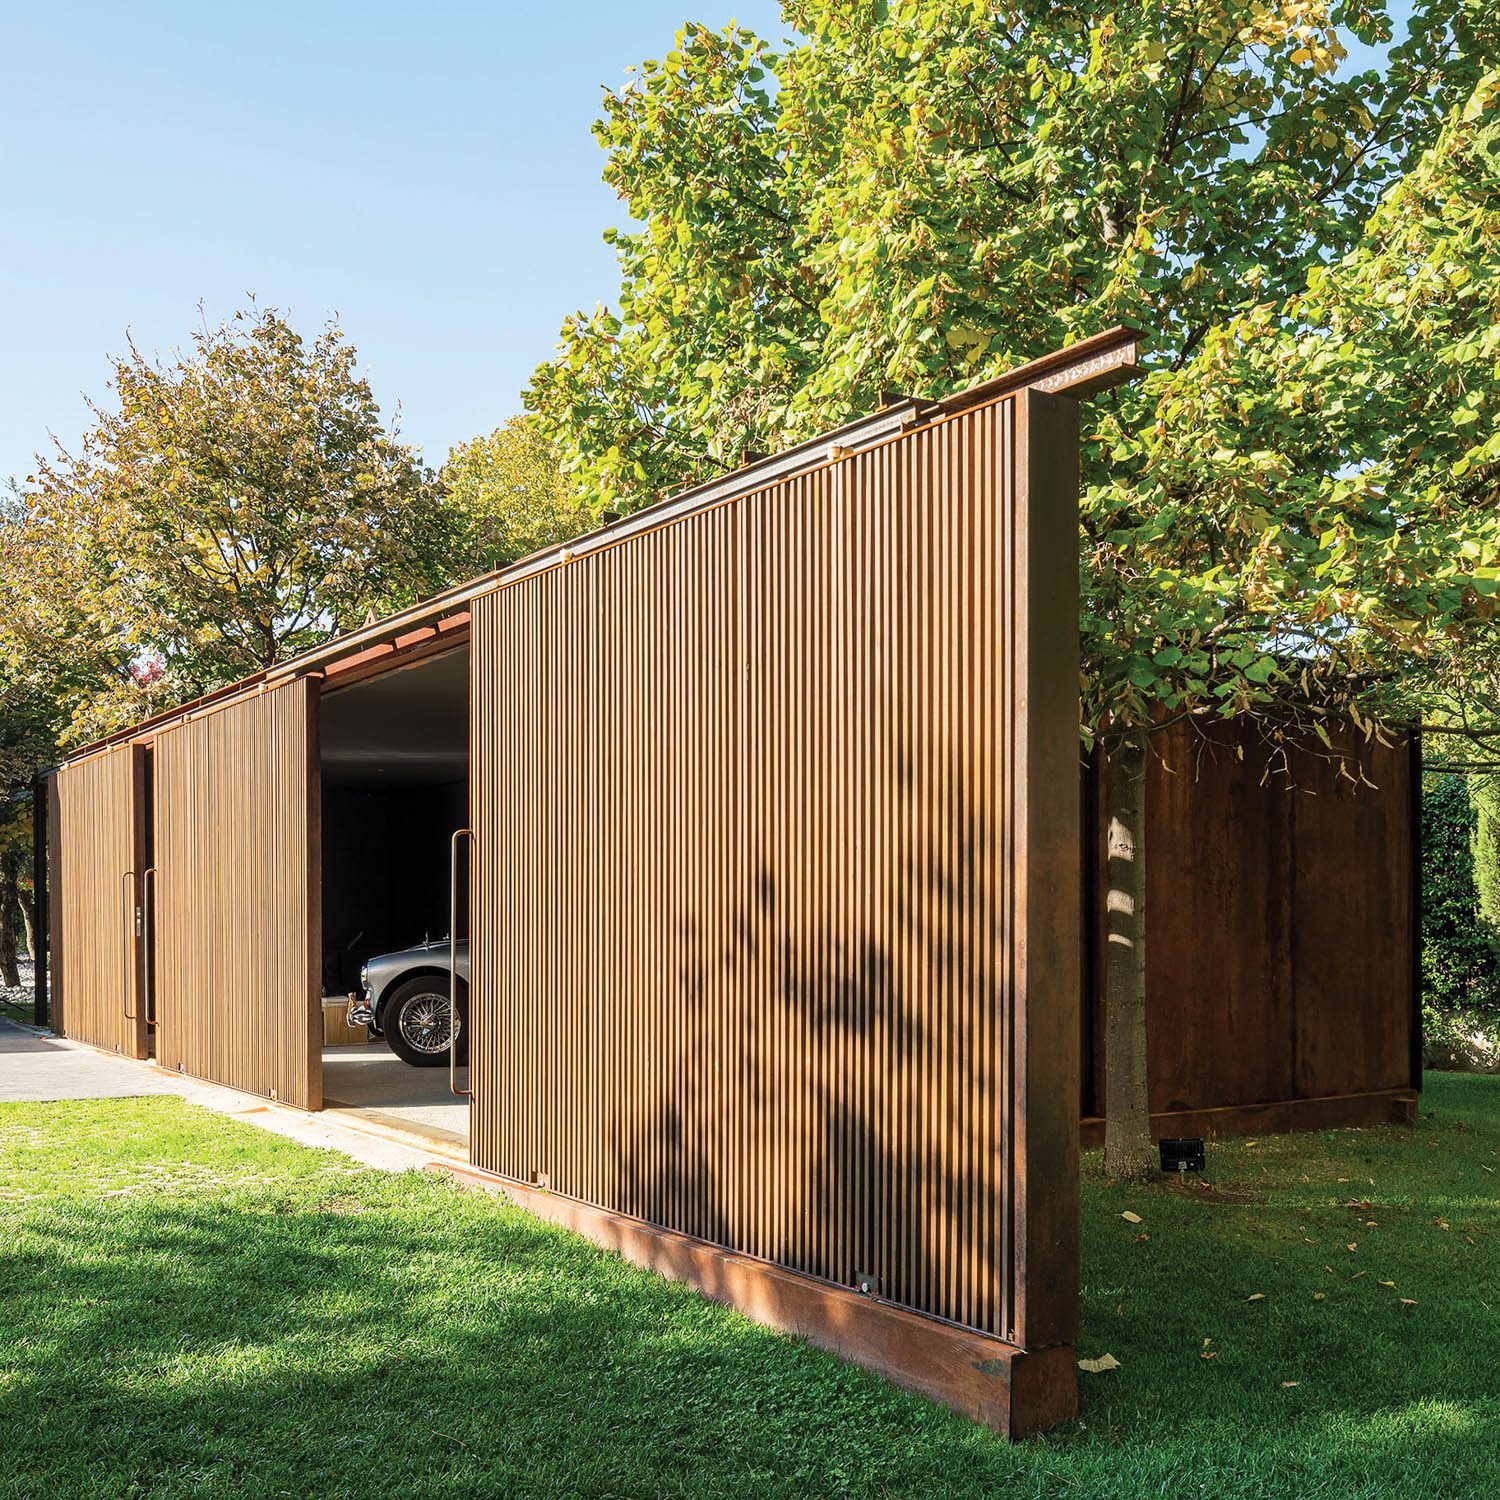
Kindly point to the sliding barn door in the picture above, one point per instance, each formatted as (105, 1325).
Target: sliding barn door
(237, 896)
(775, 873)
(98, 850)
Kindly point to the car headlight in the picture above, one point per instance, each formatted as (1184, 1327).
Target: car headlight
(364, 976)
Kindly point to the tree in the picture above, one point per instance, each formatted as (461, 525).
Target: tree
(1318, 490)
(29, 724)
(507, 496)
(1484, 850)
(238, 504)
(923, 193)
(1460, 965)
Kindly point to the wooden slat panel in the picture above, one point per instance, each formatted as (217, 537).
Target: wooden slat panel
(765, 893)
(238, 892)
(96, 844)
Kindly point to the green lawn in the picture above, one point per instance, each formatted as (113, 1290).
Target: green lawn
(190, 1306)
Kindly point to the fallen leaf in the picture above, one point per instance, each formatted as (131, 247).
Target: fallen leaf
(1130, 1218)
(1319, 1296)
(1356, 1276)
(1307, 1241)
(1100, 1365)
(1370, 1224)
(1256, 1297)
(1387, 1283)
(1209, 1354)
(1408, 1301)
(1441, 1222)
(1286, 1385)
(1352, 1248)
(1140, 1238)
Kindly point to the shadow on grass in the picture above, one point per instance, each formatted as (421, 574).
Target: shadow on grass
(373, 1335)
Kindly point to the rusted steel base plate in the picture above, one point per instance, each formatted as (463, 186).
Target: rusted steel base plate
(1011, 1390)
(1331, 1112)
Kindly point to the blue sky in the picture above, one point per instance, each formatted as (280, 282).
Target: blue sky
(424, 170)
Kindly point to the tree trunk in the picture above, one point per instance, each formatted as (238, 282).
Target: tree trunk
(10, 975)
(28, 918)
(1127, 1113)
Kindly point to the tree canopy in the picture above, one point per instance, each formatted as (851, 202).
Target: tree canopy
(1307, 523)
(506, 496)
(234, 505)
(922, 193)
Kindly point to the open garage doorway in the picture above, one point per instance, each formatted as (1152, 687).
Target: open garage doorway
(395, 788)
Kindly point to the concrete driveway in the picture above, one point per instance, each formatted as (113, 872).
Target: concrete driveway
(376, 1083)
(34, 1067)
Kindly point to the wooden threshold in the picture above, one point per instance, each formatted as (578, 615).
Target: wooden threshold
(1276, 1117)
(1013, 1391)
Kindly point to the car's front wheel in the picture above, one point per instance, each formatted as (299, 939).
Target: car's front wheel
(419, 1025)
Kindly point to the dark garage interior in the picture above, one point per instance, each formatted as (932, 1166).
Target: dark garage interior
(395, 758)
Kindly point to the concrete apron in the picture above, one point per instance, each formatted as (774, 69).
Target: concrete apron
(37, 1066)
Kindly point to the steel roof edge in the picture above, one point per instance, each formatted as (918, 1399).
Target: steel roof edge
(1080, 370)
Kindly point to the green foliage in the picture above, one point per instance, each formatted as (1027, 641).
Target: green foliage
(236, 505)
(506, 497)
(193, 1307)
(1484, 847)
(922, 193)
(1309, 525)
(1460, 968)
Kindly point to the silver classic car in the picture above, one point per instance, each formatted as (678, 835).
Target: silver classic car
(405, 1000)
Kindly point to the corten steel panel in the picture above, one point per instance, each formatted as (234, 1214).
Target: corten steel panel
(1352, 934)
(775, 879)
(97, 840)
(1279, 946)
(237, 896)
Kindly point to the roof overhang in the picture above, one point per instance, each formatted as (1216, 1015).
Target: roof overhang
(1079, 371)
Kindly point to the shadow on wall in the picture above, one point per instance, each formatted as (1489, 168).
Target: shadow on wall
(828, 1076)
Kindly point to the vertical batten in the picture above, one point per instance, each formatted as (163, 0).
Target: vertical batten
(98, 838)
(237, 852)
(756, 939)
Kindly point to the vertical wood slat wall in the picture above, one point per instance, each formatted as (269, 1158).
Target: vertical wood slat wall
(98, 862)
(238, 893)
(773, 878)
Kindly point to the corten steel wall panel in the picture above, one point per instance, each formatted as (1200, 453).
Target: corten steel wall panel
(1352, 960)
(97, 841)
(774, 876)
(237, 896)
(1279, 945)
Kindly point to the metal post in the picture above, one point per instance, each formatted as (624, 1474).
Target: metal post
(41, 937)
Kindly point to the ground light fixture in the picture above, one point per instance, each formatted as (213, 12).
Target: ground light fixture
(1183, 1154)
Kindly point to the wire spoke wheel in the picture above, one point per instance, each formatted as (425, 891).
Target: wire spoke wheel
(428, 1023)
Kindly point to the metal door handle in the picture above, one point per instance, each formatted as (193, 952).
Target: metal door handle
(462, 833)
(148, 918)
(127, 964)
